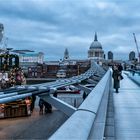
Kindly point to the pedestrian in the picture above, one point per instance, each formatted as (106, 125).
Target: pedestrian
(48, 107)
(84, 95)
(120, 68)
(132, 70)
(55, 94)
(41, 105)
(28, 105)
(18, 78)
(116, 76)
(33, 102)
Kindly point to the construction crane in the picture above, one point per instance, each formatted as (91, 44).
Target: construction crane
(1, 31)
(137, 47)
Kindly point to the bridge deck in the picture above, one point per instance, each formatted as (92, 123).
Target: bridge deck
(127, 111)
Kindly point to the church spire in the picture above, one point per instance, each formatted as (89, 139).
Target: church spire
(66, 54)
(95, 37)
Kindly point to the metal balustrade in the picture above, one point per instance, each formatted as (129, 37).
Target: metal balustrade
(79, 125)
(134, 75)
(21, 92)
(81, 120)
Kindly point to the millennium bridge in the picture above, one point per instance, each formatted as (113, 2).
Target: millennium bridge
(104, 114)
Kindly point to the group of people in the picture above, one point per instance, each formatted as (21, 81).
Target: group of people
(12, 78)
(44, 106)
(117, 76)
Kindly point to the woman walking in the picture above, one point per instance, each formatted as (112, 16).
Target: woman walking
(116, 76)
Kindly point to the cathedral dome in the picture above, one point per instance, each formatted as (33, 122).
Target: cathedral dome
(95, 44)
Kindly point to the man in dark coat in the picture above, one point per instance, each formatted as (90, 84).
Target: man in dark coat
(41, 105)
(33, 102)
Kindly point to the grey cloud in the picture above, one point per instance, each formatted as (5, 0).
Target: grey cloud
(54, 25)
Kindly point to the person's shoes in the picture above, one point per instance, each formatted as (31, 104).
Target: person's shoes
(117, 91)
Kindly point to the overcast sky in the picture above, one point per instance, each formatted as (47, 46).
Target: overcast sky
(51, 26)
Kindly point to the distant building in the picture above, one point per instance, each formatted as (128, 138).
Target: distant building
(29, 60)
(55, 69)
(131, 55)
(66, 69)
(32, 58)
(95, 51)
(110, 55)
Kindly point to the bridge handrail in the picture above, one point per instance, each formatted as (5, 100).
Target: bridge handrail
(78, 126)
(134, 75)
(133, 70)
(46, 87)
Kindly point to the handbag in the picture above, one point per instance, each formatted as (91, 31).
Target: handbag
(120, 77)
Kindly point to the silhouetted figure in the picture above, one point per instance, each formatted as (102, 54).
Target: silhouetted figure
(55, 94)
(41, 105)
(84, 95)
(33, 102)
(133, 70)
(116, 74)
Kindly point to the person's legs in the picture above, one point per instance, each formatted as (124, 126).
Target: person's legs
(41, 110)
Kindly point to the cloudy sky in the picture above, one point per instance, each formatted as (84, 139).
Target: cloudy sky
(51, 26)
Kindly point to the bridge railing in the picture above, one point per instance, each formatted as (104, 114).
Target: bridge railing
(79, 125)
(21, 92)
(134, 75)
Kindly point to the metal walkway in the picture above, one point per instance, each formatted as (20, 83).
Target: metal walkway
(127, 111)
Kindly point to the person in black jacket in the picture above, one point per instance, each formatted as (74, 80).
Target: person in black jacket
(84, 95)
(41, 105)
(33, 98)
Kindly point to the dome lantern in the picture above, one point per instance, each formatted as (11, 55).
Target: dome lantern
(95, 37)
(95, 44)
